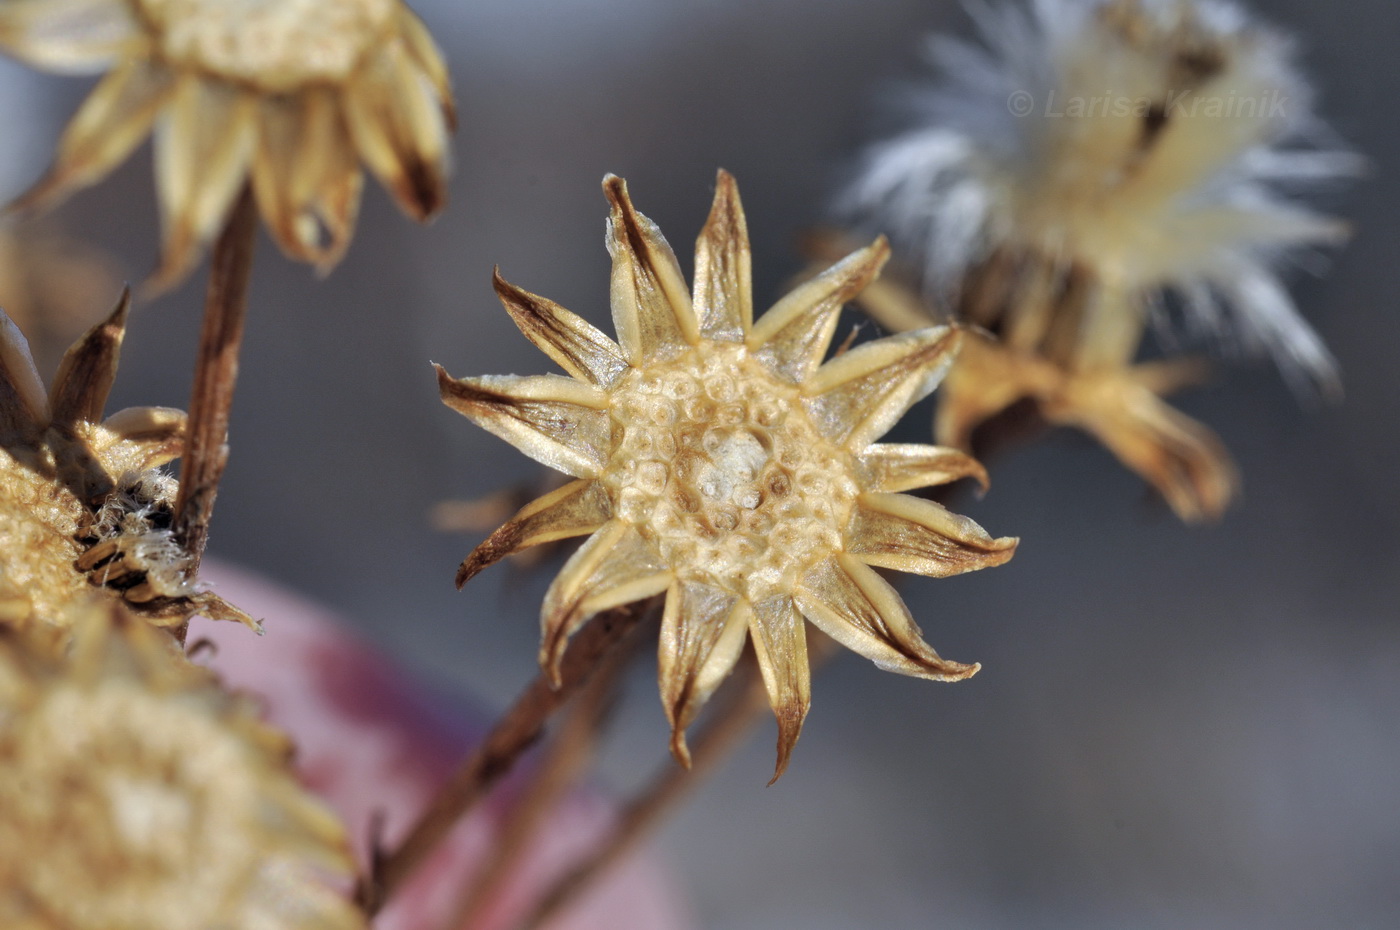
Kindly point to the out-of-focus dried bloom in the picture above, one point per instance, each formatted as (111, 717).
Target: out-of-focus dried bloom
(292, 95)
(721, 463)
(139, 795)
(1100, 163)
(82, 502)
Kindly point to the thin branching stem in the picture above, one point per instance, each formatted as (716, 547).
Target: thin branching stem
(215, 374)
(514, 732)
(569, 754)
(741, 703)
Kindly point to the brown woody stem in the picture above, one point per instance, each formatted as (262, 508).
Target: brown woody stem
(741, 703)
(215, 374)
(516, 731)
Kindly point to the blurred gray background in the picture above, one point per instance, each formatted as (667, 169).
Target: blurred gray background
(1175, 727)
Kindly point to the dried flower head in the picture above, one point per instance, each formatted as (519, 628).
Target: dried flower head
(291, 94)
(1097, 161)
(82, 502)
(139, 795)
(720, 462)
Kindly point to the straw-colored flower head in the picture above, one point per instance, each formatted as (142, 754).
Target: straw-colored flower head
(1099, 163)
(139, 795)
(721, 463)
(290, 95)
(82, 501)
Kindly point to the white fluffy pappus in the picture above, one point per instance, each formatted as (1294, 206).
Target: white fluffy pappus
(1153, 146)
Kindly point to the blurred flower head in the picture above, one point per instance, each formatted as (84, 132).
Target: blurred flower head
(139, 795)
(1090, 157)
(290, 96)
(722, 464)
(1093, 165)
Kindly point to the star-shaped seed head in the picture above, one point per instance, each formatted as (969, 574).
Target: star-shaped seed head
(720, 462)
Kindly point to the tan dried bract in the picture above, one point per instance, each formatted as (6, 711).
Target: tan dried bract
(139, 795)
(720, 462)
(290, 95)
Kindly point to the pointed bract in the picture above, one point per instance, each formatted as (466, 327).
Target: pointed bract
(856, 397)
(579, 347)
(703, 631)
(724, 267)
(578, 508)
(893, 467)
(557, 421)
(792, 337)
(780, 645)
(24, 404)
(650, 303)
(853, 605)
(615, 566)
(910, 534)
(85, 376)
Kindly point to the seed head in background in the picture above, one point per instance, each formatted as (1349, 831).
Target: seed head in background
(1092, 165)
(139, 795)
(290, 95)
(721, 463)
(83, 501)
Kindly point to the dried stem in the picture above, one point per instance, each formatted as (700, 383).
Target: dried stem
(514, 732)
(215, 374)
(739, 706)
(568, 756)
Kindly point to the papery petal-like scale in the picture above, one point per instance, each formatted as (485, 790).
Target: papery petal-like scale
(724, 267)
(557, 421)
(579, 347)
(116, 117)
(703, 630)
(576, 509)
(426, 55)
(856, 397)
(204, 149)
(853, 605)
(780, 645)
(910, 534)
(1186, 462)
(893, 467)
(615, 566)
(793, 336)
(305, 176)
(651, 305)
(399, 126)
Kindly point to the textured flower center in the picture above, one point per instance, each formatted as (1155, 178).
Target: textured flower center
(275, 44)
(151, 811)
(719, 465)
(38, 519)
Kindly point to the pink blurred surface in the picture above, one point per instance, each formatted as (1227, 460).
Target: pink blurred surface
(376, 744)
